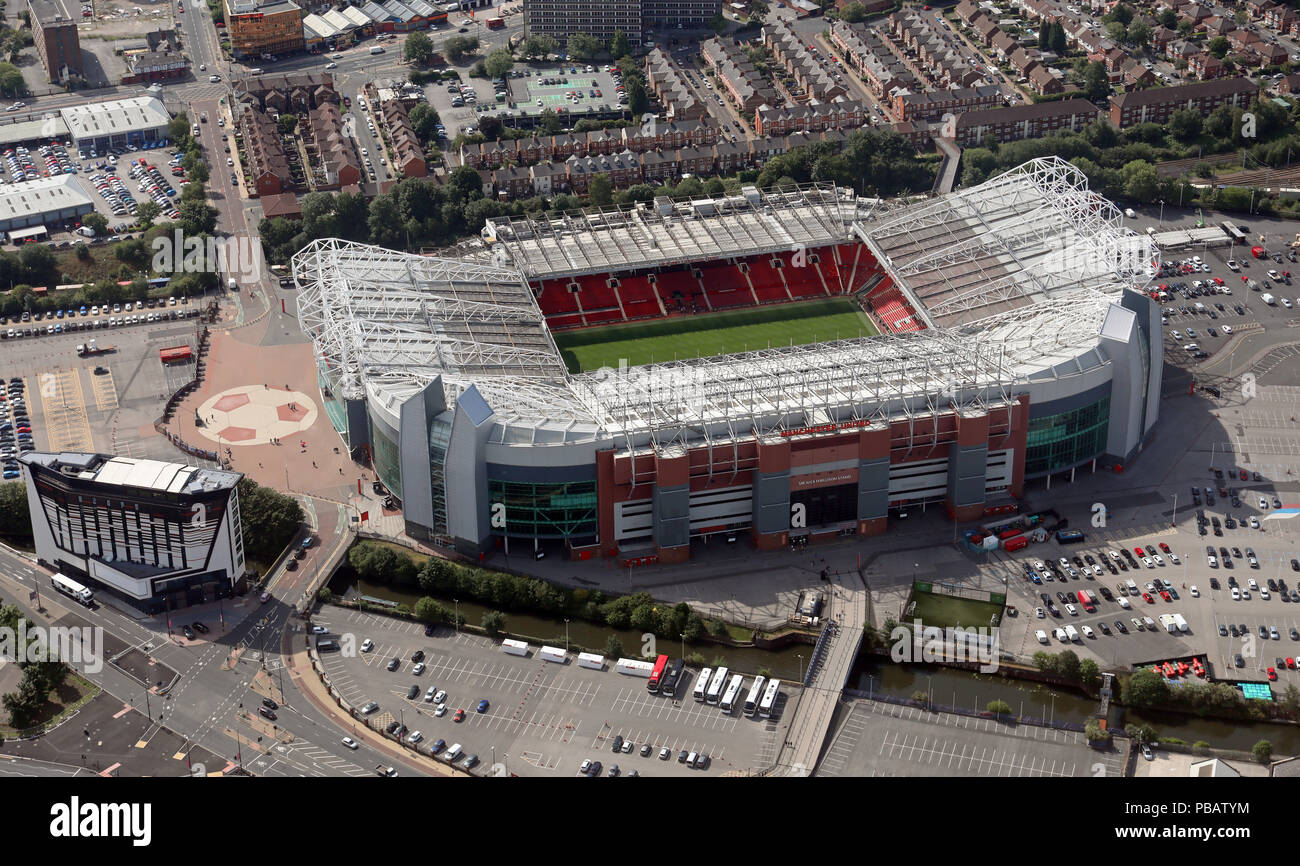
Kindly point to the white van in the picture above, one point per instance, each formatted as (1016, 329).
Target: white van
(1072, 633)
(1041, 635)
(453, 753)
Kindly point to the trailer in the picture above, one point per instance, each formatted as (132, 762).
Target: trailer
(553, 654)
(592, 661)
(514, 647)
(635, 667)
(1018, 542)
(1181, 622)
(85, 350)
(1167, 620)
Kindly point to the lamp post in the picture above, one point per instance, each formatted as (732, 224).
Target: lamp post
(799, 656)
(682, 635)
(566, 638)
(457, 601)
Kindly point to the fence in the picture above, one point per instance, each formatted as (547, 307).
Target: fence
(174, 401)
(966, 711)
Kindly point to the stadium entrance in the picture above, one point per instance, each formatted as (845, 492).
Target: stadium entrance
(826, 506)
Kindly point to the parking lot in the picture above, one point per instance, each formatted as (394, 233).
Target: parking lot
(105, 402)
(873, 738)
(541, 718)
(106, 179)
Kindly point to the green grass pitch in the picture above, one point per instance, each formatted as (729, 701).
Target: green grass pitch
(705, 334)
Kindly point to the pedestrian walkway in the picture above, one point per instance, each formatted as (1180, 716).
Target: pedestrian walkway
(847, 609)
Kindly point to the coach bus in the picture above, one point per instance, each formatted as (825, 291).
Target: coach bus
(769, 699)
(72, 589)
(728, 702)
(716, 686)
(661, 664)
(754, 696)
(702, 684)
(672, 676)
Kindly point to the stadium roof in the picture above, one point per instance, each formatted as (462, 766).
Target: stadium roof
(1019, 275)
(392, 322)
(1014, 241)
(668, 232)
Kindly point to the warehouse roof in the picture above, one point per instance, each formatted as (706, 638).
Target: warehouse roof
(116, 117)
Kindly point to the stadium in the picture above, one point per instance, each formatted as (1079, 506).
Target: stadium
(775, 365)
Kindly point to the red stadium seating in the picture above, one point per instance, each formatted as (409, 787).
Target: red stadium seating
(554, 298)
(638, 296)
(839, 269)
(766, 280)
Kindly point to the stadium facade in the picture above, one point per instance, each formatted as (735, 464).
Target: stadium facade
(1016, 343)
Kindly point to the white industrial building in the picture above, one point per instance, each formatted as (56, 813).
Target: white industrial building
(140, 121)
(40, 202)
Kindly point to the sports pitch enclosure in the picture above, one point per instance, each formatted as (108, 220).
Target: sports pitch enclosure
(704, 334)
(947, 606)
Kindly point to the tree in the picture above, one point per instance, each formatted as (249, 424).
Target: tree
(1145, 688)
(853, 12)
(96, 221)
(1141, 733)
(197, 216)
(539, 45)
(418, 48)
(619, 46)
(456, 47)
(1116, 31)
(1095, 733)
(1121, 14)
(1185, 28)
(614, 647)
(269, 519)
(494, 622)
(1139, 33)
(499, 63)
(718, 23)
(11, 80)
(1096, 82)
(1088, 672)
(998, 708)
(638, 101)
(1168, 19)
(15, 519)
(1141, 180)
(1263, 751)
(1044, 35)
(1185, 125)
(550, 121)
(1218, 46)
(490, 127)
(1056, 40)
(583, 46)
(600, 190)
(146, 212)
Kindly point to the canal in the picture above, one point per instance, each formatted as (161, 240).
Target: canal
(970, 690)
(786, 663)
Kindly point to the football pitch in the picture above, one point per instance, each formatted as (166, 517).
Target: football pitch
(705, 334)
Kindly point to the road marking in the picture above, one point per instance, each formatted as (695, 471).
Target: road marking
(105, 391)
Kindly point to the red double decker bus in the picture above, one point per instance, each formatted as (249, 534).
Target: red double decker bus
(657, 675)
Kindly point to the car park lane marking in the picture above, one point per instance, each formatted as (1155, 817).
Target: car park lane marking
(64, 408)
(104, 389)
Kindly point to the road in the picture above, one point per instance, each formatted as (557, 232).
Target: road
(221, 677)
